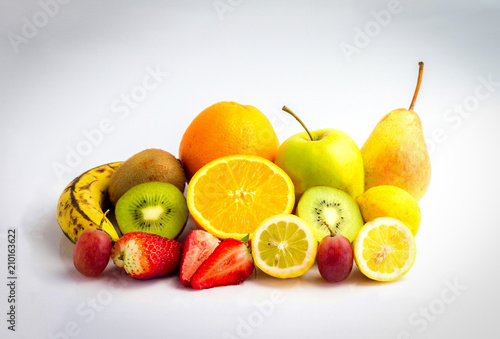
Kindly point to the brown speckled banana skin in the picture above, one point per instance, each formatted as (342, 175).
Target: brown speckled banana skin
(80, 206)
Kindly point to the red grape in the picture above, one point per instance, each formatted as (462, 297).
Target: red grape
(335, 257)
(92, 252)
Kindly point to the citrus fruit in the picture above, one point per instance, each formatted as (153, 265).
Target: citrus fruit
(384, 249)
(230, 196)
(226, 128)
(390, 201)
(284, 246)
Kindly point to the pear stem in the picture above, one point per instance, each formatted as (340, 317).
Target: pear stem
(289, 111)
(419, 80)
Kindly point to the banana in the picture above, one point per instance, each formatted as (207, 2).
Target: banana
(82, 203)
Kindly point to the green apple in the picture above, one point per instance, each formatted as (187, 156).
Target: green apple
(326, 157)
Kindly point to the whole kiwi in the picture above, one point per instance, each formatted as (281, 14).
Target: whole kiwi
(149, 165)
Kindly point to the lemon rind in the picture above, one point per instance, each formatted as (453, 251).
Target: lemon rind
(358, 249)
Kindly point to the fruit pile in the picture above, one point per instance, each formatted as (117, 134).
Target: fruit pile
(316, 198)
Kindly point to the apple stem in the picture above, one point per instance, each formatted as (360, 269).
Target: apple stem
(289, 111)
(419, 80)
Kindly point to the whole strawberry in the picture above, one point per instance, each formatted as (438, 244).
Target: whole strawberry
(145, 256)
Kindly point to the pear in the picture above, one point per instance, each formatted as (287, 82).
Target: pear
(395, 153)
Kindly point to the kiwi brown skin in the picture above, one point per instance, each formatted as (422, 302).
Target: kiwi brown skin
(149, 165)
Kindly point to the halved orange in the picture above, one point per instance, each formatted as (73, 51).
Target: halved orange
(231, 196)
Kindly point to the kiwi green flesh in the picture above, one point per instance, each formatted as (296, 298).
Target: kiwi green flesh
(152, 207)
(328, 210)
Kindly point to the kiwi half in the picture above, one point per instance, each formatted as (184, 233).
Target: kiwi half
(152, 207)
(329, 209)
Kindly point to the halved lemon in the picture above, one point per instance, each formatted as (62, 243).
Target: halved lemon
(384, 249)
(284, 246)
(231, 196)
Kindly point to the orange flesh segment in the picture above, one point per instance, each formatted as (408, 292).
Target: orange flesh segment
(236, 196)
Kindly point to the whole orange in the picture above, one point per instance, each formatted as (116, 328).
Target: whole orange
(226, 128)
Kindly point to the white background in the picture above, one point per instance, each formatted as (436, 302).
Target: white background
(63, 73)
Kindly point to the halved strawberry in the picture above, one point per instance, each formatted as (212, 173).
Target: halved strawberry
(145, 256)
(197, 248)
(229, 264)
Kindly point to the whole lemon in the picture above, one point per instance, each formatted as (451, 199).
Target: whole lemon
(390, 201)
(226, 128)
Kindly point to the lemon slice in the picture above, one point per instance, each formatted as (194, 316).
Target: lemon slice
(384, 249)
(284, 246)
